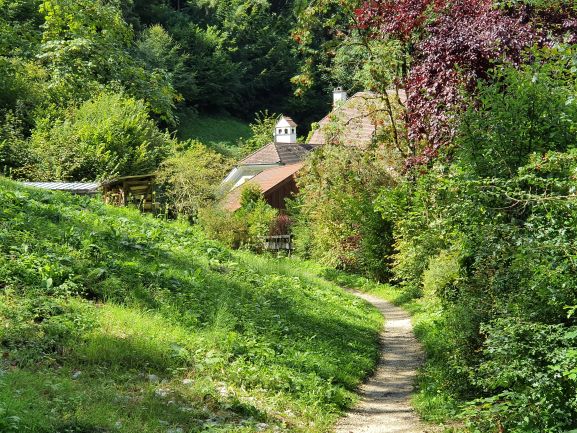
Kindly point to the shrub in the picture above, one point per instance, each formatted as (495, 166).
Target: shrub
(336, 220)
(488, 238)
(223, 226)
(191, 178)
(244, 228)
(16, 158)
(526, 370)
(110, 135)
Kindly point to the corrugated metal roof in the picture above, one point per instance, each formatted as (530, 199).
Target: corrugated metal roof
(75, 187)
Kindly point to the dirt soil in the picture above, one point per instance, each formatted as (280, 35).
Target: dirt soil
(385, 405)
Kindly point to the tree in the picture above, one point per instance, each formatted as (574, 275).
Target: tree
(110, 135)
(336, 223)
(455, 44)
(261, 131)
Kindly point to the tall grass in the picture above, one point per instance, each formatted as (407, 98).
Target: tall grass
(114, 321)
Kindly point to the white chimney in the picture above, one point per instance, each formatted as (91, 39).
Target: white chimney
(339, 96)
(285, 131)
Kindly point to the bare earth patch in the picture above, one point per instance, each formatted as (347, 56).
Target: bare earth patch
(385, 405)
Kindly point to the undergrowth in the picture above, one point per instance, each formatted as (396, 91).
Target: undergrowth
(111, 321)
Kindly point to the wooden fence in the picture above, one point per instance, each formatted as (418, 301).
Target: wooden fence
(279, 243)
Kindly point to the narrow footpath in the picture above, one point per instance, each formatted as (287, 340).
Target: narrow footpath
(385, 405)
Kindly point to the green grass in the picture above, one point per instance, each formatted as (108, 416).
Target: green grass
(113, 321)
(221, 133)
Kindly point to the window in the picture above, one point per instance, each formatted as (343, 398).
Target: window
(286, 131)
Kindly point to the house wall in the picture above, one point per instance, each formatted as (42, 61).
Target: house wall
(276, 197)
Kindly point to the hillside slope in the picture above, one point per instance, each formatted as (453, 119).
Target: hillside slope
(115, 322)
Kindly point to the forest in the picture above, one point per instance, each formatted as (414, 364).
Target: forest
(463, 210)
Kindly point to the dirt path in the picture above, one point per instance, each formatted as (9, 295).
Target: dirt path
(385, 399)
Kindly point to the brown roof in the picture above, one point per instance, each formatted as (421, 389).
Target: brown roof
(267, 180)
(278, 153)
(354, 118)
(289, 121)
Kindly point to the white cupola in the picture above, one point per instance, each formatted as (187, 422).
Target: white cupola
(285, 131)
(339, 96)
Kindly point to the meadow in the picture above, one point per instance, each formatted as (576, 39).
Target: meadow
(221, 133)
(111, 321)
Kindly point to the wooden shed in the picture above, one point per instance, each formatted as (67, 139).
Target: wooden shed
(136, 190)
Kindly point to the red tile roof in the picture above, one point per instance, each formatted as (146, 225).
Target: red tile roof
(267, 180)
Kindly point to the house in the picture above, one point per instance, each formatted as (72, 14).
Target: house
(273, 168)
(354, 121)
(276, 184)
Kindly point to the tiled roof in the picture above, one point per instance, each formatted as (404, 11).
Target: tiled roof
(278, 153)
(75, 187)
(354, 117)
(288, 120)
(267, 180)
(293, 153)
(265, 155)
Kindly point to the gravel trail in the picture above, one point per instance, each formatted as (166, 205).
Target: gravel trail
(385, 405)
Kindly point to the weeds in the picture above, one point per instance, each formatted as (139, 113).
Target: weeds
(114, 321)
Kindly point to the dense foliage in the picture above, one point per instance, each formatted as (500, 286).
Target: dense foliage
(192, 178)
(490, 236)
(172, 58)
(113, 321)
(465, 200)
(336, 220)
(455, 44)
(483, 215)
(247, 227)
(107, 136)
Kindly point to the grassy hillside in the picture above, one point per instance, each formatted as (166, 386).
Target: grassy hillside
(115, 322)
(220, 133)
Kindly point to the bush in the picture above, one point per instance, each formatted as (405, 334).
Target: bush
(223, 226)
(191, 178)
(16, 157)
(335, 218)
(244, 228)
(488, 238)
(110, 135)
(527, 370)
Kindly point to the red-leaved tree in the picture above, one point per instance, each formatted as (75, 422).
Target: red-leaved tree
(454, 44)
